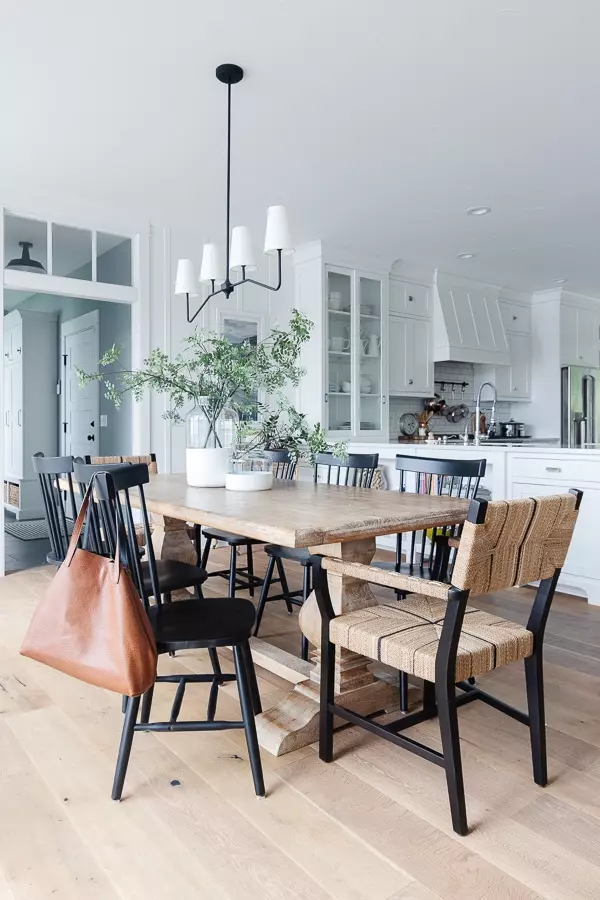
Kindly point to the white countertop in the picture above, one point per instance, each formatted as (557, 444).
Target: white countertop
(390, 449)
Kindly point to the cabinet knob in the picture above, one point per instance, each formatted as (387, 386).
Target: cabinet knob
(410, 298)
(514, 318)
(410, 381)
(514, 389)
(6, 355)
(91, 437)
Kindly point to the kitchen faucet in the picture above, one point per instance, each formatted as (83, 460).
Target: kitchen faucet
(478, 410)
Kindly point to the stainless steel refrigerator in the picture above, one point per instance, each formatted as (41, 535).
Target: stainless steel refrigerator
(580, 410)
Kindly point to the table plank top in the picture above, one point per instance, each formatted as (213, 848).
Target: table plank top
(302, 514)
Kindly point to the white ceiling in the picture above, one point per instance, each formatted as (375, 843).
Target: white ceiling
(377, 122)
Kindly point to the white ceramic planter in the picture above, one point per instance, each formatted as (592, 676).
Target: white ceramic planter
(249, 481)
(207, 468)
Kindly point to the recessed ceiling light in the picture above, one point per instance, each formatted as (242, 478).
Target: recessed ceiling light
(559, 280)
(479, 210)
(466, 255)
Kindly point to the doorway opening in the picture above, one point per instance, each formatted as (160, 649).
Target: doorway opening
(47, 337)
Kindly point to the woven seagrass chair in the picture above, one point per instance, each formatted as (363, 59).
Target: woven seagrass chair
(424, 555)
(434, 635)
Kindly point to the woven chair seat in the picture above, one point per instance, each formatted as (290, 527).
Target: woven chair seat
(405, 635)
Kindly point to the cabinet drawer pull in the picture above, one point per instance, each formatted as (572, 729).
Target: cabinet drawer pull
(553, 469)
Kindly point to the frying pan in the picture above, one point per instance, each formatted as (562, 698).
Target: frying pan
(436, 405)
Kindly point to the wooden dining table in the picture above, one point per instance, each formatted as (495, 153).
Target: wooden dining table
(342, 522)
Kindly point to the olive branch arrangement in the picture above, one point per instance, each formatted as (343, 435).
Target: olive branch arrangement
(214, 373)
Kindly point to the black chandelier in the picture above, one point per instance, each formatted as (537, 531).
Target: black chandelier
(238, 248)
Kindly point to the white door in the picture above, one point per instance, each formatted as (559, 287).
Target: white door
(587, 338)
(398, 347)
(520, 366)
(16, 406)
(8, 422)
(80, 349)
(421, 362)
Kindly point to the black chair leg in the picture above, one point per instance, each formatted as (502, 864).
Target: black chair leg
(250, 564)
(252, 680)
(205, 554)
(429, 698)
(327, 685)
(249, 723)
(306, 587)
(133, 704)
(146, 706)
(284, 585)
(264, 594)
(534, 679)
(124, 700)
(198, 543)
(403, 686)
(448, 719)
(232, 571)
(216, 665)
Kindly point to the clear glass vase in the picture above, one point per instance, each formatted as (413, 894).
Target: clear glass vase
(209, 438)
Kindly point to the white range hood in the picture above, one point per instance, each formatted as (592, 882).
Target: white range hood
(467, 325)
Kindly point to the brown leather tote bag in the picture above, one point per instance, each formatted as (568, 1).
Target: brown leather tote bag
(91, 623)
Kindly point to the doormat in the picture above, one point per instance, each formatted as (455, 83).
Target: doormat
(31, 530)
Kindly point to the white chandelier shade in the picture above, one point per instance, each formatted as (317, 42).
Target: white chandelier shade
(211, 269)
(242, 255)
(185, 282)
(277, 236)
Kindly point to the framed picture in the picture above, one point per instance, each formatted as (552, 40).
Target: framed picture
(239, 327)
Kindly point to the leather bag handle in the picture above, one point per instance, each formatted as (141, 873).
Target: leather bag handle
(79, 526)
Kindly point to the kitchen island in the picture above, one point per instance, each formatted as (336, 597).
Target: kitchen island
(524, 470)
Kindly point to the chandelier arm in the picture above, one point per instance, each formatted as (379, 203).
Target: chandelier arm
(269, 287)
(200, 308)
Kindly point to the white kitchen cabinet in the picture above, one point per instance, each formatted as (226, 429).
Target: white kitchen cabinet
(346, 358)
(410, 299)
(355, 355)
(513, 382)
(581, 564)
(411, 359)
(516, 317)
(30, 405)
(579, 336)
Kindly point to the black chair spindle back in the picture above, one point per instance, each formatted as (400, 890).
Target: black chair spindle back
(355, 471)
(442, 477)
(114, 490)
(58, 506)
(284, 464)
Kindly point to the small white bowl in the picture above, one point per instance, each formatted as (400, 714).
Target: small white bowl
(249, 481)
(346, 387)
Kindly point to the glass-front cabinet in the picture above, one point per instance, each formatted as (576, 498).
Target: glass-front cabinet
(355, 398)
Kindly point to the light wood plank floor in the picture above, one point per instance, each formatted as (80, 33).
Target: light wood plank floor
(372, 826)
